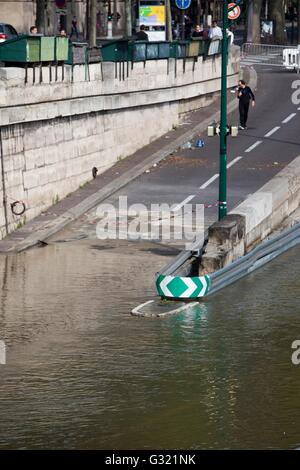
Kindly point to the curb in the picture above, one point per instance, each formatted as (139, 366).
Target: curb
(50, 228)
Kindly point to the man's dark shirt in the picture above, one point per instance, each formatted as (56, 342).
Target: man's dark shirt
(247, 94)
(197, 34)
(142, 36)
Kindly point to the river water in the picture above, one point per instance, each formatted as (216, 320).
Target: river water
(83, 373)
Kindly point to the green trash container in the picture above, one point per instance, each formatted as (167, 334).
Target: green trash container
(23, 49)
(61, 49)
(47, 49)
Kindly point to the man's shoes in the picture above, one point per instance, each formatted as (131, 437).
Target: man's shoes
(241, 128)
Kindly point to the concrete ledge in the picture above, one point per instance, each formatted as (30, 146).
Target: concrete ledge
(12, 73)
(226, 243)
(268, 207)
(253, 220)
(102, 103)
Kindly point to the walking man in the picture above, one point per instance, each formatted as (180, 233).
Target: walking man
(245, 95)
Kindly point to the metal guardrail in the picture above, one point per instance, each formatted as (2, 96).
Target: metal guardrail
(261, 255)
(177, 262)
(181, 289)
(264, 54)
(187, 285)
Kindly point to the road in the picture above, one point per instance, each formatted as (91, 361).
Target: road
(271, 141)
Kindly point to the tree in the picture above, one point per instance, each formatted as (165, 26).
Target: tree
(277, 15)
(128, 20)
(115, 18)
(169, 35)
(298, 18)
(92, 21)
(40, 15)
(253, 21)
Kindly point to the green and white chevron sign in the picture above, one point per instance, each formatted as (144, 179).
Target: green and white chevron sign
(182, 287)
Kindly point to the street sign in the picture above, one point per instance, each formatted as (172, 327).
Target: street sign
(183, 4)
(182, 287)
(235, 12)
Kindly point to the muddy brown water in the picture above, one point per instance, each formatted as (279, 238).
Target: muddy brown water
(83, 373)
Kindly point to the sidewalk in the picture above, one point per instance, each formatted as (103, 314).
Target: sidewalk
(39, 229)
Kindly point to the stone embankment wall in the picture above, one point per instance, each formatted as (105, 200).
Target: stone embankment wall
(56, 127)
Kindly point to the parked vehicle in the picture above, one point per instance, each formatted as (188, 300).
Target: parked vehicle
(7, 31)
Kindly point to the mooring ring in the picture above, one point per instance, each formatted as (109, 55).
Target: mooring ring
(14, 209)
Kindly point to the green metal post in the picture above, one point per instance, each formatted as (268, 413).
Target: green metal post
(223, 124)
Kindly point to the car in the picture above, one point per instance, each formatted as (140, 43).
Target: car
(7, 31)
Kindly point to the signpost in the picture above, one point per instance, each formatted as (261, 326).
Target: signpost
(182, 5)
(235, 12)
(229, 10)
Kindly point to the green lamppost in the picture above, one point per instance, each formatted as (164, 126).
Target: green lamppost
(223, 123)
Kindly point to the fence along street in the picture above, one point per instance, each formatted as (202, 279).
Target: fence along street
(270, 55)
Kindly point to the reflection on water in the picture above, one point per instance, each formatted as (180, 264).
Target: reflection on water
(83, 373)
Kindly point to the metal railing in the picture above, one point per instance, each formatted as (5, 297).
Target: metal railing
(267, 54)
(262, 254)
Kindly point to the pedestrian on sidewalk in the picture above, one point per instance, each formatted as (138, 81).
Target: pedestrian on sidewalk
(142, 35)
(198, 31)
(33, 30)
(230, 36)
(215, 31)
(245, 95)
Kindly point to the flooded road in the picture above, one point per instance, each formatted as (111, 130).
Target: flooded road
(83, 373)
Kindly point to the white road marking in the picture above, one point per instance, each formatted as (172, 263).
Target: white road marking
(251, 61)
(291, 116)
(275, 129)
(205, 185)
(183, 203)
(253, 146)
(216, 176)
(213, 178)
(237, 159)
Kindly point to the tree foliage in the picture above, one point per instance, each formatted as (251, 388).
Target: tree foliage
(276, 14)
